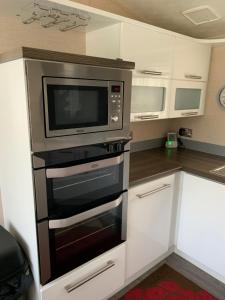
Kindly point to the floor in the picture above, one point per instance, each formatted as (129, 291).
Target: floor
(193, 278)
(166, 283)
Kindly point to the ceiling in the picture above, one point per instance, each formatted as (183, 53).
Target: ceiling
(168, 14)
(162, 13)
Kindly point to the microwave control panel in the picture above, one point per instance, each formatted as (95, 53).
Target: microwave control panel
(116, 97)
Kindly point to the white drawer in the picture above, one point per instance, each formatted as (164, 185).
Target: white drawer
(151, 187)
(95, 280)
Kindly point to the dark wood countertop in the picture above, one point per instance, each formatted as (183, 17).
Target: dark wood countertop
(40, 54)
(155, 163)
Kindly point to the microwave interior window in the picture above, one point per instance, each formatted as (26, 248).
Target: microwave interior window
(147, 99)
(77, 106)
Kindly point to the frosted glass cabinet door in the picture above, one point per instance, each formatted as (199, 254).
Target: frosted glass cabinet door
(149, 99)
(187, 99)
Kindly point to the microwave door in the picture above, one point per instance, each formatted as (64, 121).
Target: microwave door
(75, 106)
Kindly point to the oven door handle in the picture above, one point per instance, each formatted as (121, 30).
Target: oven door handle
(62, 223)
(83, 168)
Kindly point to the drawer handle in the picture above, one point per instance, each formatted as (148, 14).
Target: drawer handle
(148, 117)
(148, 72)
(190, 76)
(159, 189)
(193, 113)
(71, 287)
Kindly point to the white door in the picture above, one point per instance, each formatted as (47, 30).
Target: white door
(201, 227)
(150, 99)
(191, 60)
(149, 223)
(187, 98)
(150, 50)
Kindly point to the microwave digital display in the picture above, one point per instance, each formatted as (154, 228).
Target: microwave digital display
(115, 88)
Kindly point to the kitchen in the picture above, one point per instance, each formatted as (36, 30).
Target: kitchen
(160, 213)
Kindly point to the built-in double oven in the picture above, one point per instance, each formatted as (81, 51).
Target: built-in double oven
(81, 199)
(79, 125)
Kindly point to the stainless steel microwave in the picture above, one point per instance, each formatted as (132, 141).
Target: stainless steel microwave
(72, 105)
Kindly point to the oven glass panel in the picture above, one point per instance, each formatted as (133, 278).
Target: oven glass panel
(71, 195)
(71, 106)
(75, 245)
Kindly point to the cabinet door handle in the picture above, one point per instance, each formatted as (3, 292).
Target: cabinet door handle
(148, 117)
(71, 287)
(191, 113)
(190, 76)
(159, 189)
(149, 72)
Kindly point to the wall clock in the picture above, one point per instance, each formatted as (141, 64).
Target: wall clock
(222, 97)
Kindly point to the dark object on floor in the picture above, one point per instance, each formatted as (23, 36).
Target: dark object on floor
(15, 275)
(167, 284)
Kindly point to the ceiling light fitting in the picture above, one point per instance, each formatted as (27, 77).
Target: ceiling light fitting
(50, 16)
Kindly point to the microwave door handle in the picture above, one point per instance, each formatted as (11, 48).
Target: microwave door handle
(88, 167)
(62, 223)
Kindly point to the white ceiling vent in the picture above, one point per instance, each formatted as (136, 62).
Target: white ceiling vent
(200, 15)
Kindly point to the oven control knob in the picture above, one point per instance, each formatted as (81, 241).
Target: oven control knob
(115, 119)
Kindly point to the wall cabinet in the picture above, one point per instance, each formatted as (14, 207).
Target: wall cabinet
(96, 280)
(150, 50)
(157, 55)
(150, 99)
(149, 223)
(191, 60)
(201, 223)
(187, 98)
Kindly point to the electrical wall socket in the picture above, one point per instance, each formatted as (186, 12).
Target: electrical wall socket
(185, 132)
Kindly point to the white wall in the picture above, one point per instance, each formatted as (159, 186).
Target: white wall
(13, 33)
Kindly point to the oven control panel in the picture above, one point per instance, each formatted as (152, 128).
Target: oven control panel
(116, 103)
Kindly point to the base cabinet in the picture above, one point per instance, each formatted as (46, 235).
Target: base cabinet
(201, 223)
(96, 280)
(149, 223)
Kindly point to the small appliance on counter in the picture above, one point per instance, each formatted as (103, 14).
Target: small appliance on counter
(171, 141)
(15, 275)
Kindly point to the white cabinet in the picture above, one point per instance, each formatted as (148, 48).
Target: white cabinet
(191, 60)
(187, 98)
(150, 99)
(202, 223)
(182, 61)
(96, 280)
(149, 222)
(151, 50)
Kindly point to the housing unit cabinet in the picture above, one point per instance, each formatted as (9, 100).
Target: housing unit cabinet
(150, 99)
(187, 98)
(191, 60)
(95, 280)
(149, 223)
(201, 224)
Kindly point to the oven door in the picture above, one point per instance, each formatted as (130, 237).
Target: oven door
(72, 242)
(76, 106)
(75, 189)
